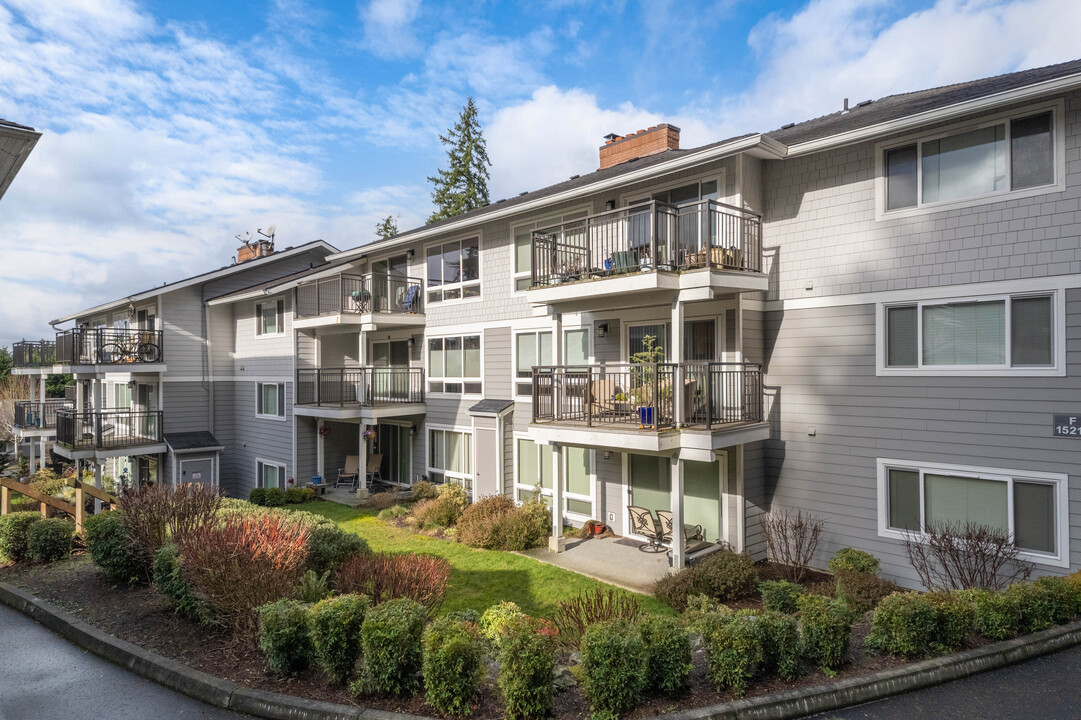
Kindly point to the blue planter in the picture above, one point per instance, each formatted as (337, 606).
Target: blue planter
(317, 479)
(645, 416)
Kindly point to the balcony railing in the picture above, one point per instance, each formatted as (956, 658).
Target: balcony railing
(33, 353)
(367, 386)
(359, 295)
(28, 413)
(109, 346)
(626, 395)
(649, 236)
(108, 429)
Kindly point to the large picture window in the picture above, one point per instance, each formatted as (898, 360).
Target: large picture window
(454, 365)
(999, 157)
(533, 474)
(523, 244)
(1011, 332)
(1029, 506)
(454, 270)
(450, 458)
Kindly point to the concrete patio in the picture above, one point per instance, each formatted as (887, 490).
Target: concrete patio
(606, 560)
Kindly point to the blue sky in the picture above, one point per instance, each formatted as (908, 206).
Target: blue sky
(171, 127)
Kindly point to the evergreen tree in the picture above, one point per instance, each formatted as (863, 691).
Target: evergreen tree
(387, 227)
(5, 362)
(464, 184)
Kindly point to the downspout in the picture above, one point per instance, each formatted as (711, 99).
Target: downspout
(208, 368)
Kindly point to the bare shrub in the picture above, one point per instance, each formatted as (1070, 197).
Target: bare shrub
(156, 513)
(951, 556)
(386, 576)
(383, 500)
(791, 541)
(574, 617)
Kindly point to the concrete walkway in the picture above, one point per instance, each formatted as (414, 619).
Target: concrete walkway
(605, 560)
(45, 678)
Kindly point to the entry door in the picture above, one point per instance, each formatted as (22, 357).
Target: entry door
(702, 484)
(488, 480)
(197, 471)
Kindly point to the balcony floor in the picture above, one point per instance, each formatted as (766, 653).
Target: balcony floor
(625, 437)
(356, 411)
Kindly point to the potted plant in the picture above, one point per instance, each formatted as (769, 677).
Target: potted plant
(645, 378)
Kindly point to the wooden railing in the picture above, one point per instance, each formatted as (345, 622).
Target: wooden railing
(50, 505)
(360, 294)
(712, 395)
(109, 346)
(648, 236)
(33, 353)
(367, 386)
(28, 413)
(108, 429)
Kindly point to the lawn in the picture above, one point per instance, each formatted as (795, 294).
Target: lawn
(479, 578)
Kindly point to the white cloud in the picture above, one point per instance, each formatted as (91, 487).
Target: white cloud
(388, 28)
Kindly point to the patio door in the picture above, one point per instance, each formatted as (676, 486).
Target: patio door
(649, 485)
(394, 443)
(388, 385)
(388, 287)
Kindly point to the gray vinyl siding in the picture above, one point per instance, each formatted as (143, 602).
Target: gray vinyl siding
(755, 498)
(824, 361)
(258, 438)
(496, 349)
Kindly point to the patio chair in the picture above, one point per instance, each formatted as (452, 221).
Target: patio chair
(691, 533)
(410, 299)
(374, 476)
(623, 261)
(349, 474)
(601, 396)
(643, 523)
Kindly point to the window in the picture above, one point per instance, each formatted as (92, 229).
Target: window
(1006, 155)
(270, 475)
(269, 318)
(454, 365)
(121, 396)
(450, 458)
(530, 349)
(454, 270)
(270, 400)
(576, 347)
(1014, 332)
(1030, 506)
(533, 472)
(636, 339)
(523, 244)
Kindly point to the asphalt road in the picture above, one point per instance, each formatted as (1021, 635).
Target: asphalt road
(1046, 688)
(43, 677)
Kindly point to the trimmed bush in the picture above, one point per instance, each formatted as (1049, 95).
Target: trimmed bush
(329, 546)
(14, 532)
(905, 624)
(699, 608)
(285, 637)
(676, 589)
(424, 490)
(497, 621)
(494, 522)
(391, 639)
(1035, 605)
(614, 662)
(335, 628)
(452, 666)
(782, 653)
(724, 575)
(854, 560)
(257, 496)
(863, 591)
(467, 615)
(527, 659)
(443, 510)
(394, 513)
(733, 651)
(385, 576)
(299, 496)
(49, 540)
(780, 595)
(668, 655)
(274, 497)
(998, 616)
(169, 581)
(1065, 598)
(825, 629)
(955, 622)
(112, 548)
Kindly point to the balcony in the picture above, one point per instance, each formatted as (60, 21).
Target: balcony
(33, 353)
(635, 406)
(109, 432)
(366, 392)
(373, 300)
(651, 246)
(110, 346)
(29, 415)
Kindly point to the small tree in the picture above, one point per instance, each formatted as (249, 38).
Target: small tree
(463, 186)
(5, 363)
(649, 357)
(387, 227)
(56, 384)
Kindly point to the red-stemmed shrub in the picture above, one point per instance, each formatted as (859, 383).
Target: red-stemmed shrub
(386, 576)
(156, 513)
(241, 563)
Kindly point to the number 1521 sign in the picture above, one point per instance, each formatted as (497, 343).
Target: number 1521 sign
(1067, 426)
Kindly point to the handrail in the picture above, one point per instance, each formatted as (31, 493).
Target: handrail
(28, 412)
(346, 293)
(109, 346)
(108, 429)
(33, 353)
(366, 386)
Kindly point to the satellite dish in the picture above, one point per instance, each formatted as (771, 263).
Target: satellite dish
(270, 230)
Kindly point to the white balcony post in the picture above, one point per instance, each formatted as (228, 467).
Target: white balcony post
(557, 543)
(557, 360)
(41, 423)
(678, 550)
(679, 357)
(319, 443)
(362, 463)
(97, 484)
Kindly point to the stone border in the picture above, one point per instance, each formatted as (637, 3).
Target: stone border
(786, 704)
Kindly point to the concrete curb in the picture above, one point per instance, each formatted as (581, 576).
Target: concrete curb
(787, 704)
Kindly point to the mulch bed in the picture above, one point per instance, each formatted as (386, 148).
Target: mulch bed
(138, 615)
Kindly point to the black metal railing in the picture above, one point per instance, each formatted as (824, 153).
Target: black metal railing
(648, 236)
(108, 429)
(109, 346)
(713, 394)
(360, 294)
(367, 386)
(32, 414)
(33, 353)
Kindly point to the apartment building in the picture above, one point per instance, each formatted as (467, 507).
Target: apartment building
(872, 316)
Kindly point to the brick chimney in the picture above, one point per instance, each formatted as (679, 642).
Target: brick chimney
(643, 143)
(257, 249)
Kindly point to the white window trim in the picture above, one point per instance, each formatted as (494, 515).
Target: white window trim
(479, 235)
(451, 474)
(547, 492)
(282, 467)
(539, 224)
(1058, 339)
(514, 379)
(428, 377)
(720, 175)
(1059, 142)
(259, 334)
(1058, 480)
(281, 401)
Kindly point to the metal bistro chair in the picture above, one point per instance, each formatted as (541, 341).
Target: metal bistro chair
(643, 523)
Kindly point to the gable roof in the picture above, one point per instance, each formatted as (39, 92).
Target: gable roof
(16, 142)
(271, 287)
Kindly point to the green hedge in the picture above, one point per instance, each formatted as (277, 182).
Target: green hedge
(49, 540)
(14, 531)
(452, 665)
(614, 662)
(285, 637)
(527, 659)
(335, 625)
(391, 639)
(733, 651)
(112, 548)
(668, 655)
(329, 546)
(854, 560)
(825, 630)
(780, 595)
